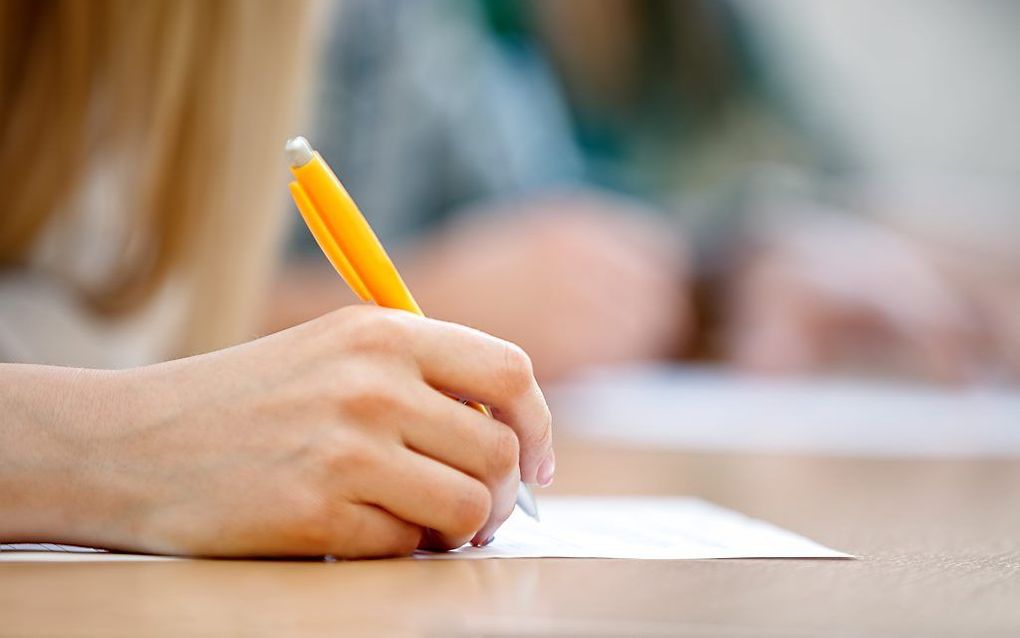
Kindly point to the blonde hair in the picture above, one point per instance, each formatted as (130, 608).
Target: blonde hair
(197, 95)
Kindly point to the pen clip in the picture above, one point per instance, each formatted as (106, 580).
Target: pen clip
(327, 243)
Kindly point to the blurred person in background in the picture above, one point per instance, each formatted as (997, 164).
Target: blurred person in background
(633, 180)
(141, 172)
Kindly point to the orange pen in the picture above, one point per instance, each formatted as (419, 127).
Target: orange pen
(350, 244)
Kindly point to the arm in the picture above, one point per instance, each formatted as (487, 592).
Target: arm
(50, 414)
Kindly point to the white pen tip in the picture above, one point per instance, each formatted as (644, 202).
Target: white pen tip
(526, 501)
(299, 151)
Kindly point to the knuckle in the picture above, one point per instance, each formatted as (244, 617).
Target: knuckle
(505, 455)
(518, 373)
(536, 435)
(541, 436)
(472, 507)
(394, 326)
(313, 526)
(347, 454)
(368, 400)
(405, 542)
(379, 330)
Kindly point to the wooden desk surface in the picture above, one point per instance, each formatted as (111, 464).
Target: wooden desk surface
(939, 543)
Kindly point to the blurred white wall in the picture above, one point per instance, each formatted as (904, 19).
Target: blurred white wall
(930, 86)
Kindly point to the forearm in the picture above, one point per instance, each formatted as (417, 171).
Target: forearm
(50, 422)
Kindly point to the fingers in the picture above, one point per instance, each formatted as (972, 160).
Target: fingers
(465, 439)
(474, 365)
(799, 310)
(1003, 318)
(774, 325)
(429, 494)
(372, 532)
(503, 499)
(461, 437)
(942, 353)
(469, 364)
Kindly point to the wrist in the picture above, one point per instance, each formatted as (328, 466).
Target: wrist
(55, 431)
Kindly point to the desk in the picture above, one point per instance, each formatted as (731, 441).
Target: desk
(939, 543)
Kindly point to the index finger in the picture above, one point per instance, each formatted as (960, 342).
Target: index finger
(473, 365)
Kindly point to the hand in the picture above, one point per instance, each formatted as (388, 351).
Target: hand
(576, 280)
(833, 290)
(329, 438)
(990, 286)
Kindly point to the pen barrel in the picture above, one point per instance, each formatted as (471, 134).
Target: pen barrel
(361, 259)
(352, 247)
(354, 236)
(481, 408)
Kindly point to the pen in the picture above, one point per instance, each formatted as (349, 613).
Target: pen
(350, 244)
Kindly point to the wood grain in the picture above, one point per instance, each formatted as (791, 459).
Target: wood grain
(939, 543)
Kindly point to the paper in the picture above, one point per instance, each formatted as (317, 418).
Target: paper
(702, 408)
(53, 552)
(581, 527)
(639, 528)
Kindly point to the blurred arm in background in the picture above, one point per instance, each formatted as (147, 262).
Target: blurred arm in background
(917, 269)
(822, 289)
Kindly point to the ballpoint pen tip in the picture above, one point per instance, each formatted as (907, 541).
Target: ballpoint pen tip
(526, 501)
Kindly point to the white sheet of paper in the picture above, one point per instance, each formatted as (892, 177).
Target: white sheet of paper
(641, 528)
(53, 552)
(580, 527)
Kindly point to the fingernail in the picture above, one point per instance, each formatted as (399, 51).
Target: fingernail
(546, 470)
(477, 542)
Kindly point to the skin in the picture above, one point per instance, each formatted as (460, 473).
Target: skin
(837, 291)
(333, 437)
